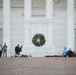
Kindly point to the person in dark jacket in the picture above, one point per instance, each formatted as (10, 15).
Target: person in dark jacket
(17, 50)
(74, 54)
(0, 50)
(21, 48)
(70, 53)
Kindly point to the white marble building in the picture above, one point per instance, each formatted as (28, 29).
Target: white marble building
(21, 19)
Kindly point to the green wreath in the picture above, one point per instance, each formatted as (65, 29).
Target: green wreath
(38, 40)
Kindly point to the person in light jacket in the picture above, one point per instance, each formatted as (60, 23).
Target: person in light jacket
(65, 52)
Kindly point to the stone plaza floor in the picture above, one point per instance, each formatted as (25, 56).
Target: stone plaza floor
(38, 66)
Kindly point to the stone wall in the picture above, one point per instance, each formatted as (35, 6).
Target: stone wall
(1, 21)
(38, 8)
(17, 21)
(60, 24)
(1, 12)
(75, 23)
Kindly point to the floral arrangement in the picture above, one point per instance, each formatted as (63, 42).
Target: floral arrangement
(53, 56)
(38, 40)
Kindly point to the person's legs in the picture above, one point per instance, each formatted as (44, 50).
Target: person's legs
(4, 53)
(65, 55)
(0, 53)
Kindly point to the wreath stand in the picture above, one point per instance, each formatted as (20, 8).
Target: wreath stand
(38, 48)
(39, 40)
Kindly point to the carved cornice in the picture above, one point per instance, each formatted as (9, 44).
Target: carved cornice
(17, 3)
(75, 3)
(38, 20)
(38, 7)
(60, 2)
(1, 1)
(38, 3)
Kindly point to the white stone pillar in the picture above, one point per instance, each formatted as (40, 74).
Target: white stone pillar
(70, 24)
(27, 9)
(49, 15)
(49, 9)
(6, 24)
(27, 16)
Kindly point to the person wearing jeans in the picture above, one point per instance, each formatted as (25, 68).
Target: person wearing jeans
(4, 50)
(0, 50)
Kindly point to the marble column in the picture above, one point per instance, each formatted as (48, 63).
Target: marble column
(49, 9)
(27, 16)
(6, 24)
(27, 9)
(70, 24)
(49, 15)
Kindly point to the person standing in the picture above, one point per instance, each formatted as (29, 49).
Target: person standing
(65, 52)
(4, 50)
(0, 50)
(70, 53)
(17, 50)
(21, 48)
(74, 54)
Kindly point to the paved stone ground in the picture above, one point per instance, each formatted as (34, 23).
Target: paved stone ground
(37, 66)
